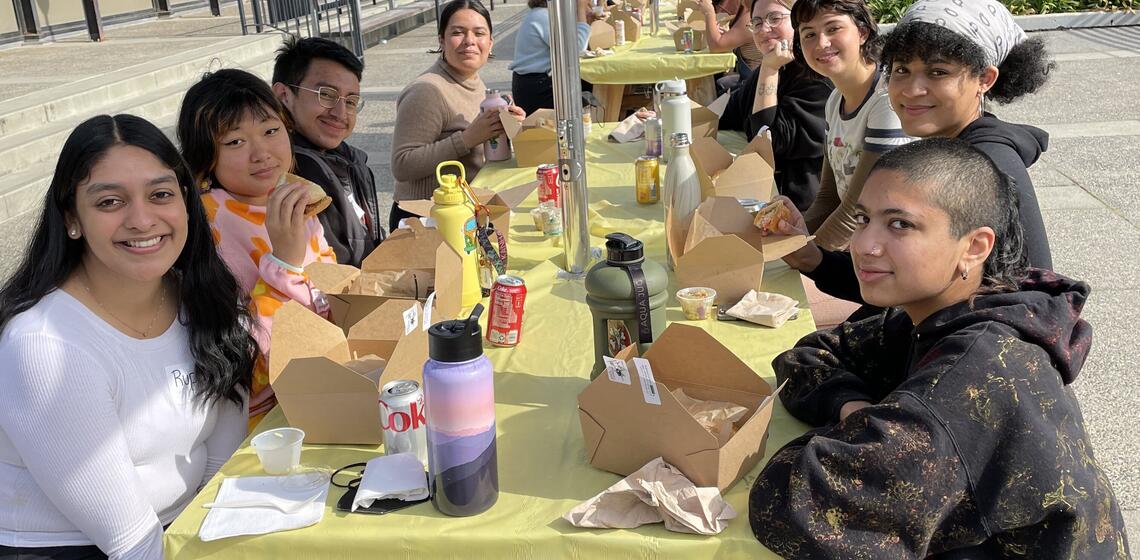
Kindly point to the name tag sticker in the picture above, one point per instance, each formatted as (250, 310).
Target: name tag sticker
(617, 371)
(182, 375)
(648, 384)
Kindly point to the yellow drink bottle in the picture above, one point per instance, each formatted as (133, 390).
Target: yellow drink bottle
(455, 218)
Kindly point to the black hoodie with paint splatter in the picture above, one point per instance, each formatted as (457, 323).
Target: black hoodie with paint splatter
(975, 448)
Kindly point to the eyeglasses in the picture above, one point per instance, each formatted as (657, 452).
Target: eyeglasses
(328, 97)
(772, 20)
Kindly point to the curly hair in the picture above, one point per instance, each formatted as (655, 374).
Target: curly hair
(1023, 71)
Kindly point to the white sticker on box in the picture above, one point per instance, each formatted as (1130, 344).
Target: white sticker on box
(648, 384)
(427, 310)
(617, 370)
(411, 320)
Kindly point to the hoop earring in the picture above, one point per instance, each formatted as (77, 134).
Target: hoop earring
(965, 274)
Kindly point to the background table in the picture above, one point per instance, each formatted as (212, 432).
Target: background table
(651, 59)
(542, 465)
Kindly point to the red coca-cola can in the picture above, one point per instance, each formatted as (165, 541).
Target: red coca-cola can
(547, 175)
(504, 324)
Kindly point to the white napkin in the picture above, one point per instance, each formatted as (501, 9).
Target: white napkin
(399, 476)
(656, 492)
(764, 308)
(222, 522)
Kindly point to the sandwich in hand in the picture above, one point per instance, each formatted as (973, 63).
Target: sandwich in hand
(318, 200)
(769, 216)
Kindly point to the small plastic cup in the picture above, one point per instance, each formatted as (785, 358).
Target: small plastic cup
(696, 303)
(279, 449)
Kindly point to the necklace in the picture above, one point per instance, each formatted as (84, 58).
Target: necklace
(145, 333)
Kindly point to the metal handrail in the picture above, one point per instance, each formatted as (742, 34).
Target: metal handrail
(304, 18)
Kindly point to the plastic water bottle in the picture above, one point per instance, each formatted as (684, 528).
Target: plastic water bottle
(499, 147)
(455, 219)
(627, 296)
(675, 110)
(459, 391)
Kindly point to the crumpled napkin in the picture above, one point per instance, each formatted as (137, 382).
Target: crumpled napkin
(656, 492)
(223, 522)
(763, 308)
(400, 476)
(632, 128)
(716, 416)
(595, 53)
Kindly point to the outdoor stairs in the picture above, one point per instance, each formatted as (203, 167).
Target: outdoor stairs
(34, 127)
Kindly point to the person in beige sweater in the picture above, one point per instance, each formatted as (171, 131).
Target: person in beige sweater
(437, 114)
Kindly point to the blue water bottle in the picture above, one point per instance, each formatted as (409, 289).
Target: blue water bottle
(459, 392)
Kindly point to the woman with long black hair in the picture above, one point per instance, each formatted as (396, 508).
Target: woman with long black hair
(126, 356)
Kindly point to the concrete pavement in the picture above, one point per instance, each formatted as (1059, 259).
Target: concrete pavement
(1086, 184)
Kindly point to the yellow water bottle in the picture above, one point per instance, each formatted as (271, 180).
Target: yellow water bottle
(455, 218)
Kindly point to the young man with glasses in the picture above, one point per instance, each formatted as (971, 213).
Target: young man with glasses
(318, 82)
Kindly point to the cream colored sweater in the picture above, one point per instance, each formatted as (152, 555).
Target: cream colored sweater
(431, 114)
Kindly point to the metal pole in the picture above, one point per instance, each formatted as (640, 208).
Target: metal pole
(29, 24)
(215, 8)
(94, 19)
(571, 141)
(161, 8)
(257, 19)
(241, 16)
(357, 33)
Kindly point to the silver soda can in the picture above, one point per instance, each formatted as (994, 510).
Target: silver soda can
(653, 137)
(402, 418)
(619, 32)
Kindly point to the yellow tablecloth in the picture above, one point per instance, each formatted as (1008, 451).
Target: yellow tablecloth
(652, 59)
(542, 465)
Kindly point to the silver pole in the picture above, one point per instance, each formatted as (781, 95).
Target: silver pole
(571, 141)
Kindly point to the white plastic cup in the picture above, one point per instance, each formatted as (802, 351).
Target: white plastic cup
(696, 303)
(279, 449)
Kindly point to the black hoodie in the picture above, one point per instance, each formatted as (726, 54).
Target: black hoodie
(1012, 148)
(975, 446)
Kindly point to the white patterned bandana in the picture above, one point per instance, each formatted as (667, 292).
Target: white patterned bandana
(985, 22)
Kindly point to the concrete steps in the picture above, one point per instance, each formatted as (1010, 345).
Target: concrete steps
(34, 127)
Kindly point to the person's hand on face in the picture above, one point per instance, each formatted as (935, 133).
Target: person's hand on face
(485, 127)
(285, 222)
(779, 56)
(771, 26)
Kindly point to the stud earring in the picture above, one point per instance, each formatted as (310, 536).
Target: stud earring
(74, 233)
(965, 274)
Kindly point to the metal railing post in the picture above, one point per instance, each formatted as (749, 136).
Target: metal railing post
(161, 8)
(241, 16)
(357, 35)
(94, 20)
(215, 7)
(26, 19)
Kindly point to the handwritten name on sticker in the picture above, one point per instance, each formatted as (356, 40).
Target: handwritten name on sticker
(616, 369)
(648, 384)
(182, 375)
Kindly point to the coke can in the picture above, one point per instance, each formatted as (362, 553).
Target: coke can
(402, 419)
(547, 175)
(504, 325)
(648, 174)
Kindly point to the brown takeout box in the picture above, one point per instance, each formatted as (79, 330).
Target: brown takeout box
(632, 25)
(409, 265)
(499, 205)
(748, 175)
(722, 249)
(698, 36)
(706, 120)
(322, 384)
(602, 35)
(622, 431)
(533, 139)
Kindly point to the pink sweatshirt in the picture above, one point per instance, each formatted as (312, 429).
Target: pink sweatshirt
(243, 242)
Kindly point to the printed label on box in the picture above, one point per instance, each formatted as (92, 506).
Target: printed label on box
(411, 320)
(617, 370)
(427, 310)
(648, 384)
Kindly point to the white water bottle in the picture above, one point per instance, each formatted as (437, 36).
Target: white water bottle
(682, 187)
(676, 112)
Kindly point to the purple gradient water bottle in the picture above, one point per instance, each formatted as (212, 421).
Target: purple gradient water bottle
(459, 391)
(499, 147)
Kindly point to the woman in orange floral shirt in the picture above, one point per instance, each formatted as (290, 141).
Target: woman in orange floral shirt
(233, 135)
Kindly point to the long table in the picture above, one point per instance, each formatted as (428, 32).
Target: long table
(651, 59)
(542, 464)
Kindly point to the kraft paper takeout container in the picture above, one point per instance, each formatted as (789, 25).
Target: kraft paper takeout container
(426, 263)
(499, 204)
(698, 35)
(533, 139)
(631, 23)
(622, 431)
(706, 120)
(748, 175)
(323, 385)
(602, 35)
(721, 249)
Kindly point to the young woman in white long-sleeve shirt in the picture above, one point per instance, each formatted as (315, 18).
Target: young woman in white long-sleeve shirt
(126, 362)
